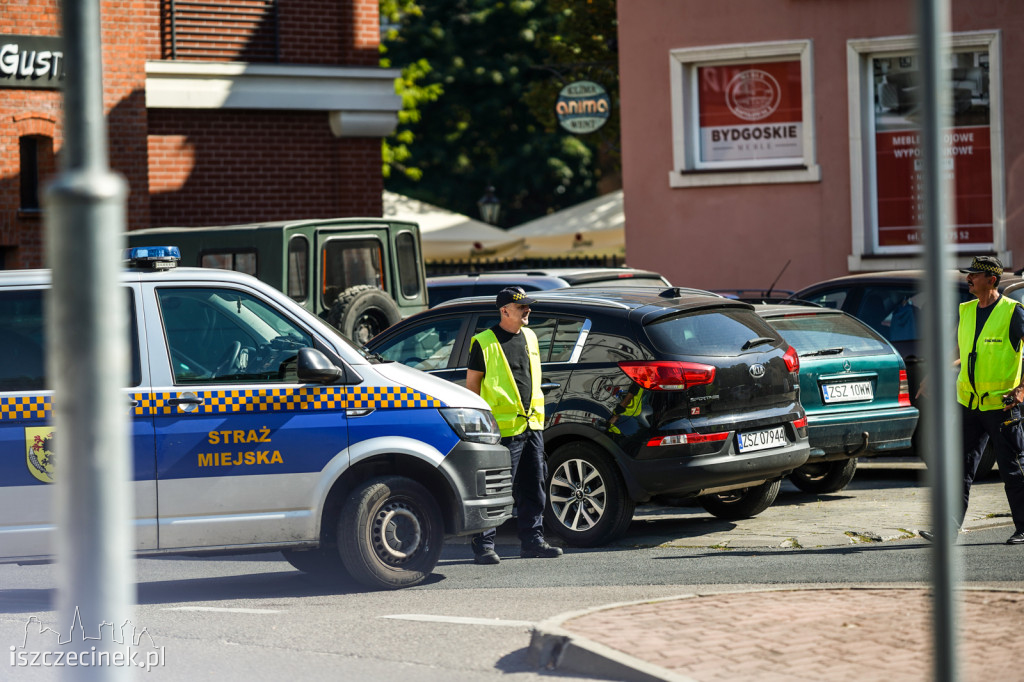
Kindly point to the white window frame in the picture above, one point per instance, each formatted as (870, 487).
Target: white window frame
(863, 180)
(683, 65)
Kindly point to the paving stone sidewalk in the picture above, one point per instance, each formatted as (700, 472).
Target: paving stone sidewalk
(850, 634)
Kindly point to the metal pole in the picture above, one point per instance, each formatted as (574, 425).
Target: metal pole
(88, 350)
(941, 414)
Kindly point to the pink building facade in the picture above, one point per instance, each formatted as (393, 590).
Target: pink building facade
(757, 133)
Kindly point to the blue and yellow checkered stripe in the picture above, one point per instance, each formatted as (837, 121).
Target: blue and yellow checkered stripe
(291, 400)
(25, 407)
(245, 400)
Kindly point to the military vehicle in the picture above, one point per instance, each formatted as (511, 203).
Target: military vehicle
(359, 274)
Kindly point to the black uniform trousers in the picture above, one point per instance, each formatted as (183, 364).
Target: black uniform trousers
(529, 471)
(1008, 441)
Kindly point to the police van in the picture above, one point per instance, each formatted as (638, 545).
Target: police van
(255, 425)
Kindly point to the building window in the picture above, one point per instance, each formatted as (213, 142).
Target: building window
(221, 30)
(30, 149)
(886, 171)
(743, 114)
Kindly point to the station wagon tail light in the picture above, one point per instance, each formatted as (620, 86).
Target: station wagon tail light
(800, 423)
(792, 359)
(904, 397)
(687, 439)
(666, 375)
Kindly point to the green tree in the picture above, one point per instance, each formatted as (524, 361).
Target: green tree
(582, 45)
(467, 66)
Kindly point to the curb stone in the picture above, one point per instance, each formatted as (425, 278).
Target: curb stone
(554, 648)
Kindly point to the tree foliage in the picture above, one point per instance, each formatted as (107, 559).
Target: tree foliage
(469, 68)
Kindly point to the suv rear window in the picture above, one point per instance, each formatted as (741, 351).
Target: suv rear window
(810, 333)
(717, 332)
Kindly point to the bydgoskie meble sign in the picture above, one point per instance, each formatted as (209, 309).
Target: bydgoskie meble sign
(751, 113)
(583, 107)
(31, 62)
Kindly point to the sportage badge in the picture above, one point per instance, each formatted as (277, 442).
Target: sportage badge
(756, 371)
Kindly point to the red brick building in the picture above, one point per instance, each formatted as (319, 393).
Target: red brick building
(219, 112)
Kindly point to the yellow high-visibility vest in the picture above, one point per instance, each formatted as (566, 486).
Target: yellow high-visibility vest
(499, 389)
(997, 368)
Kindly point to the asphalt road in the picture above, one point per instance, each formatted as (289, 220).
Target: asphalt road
(255, 618)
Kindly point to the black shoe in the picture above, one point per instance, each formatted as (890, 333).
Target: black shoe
(540, 550)
(1017, 538)
(487, 557)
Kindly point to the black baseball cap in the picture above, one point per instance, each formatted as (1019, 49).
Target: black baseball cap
(990, 265)
(513, 295)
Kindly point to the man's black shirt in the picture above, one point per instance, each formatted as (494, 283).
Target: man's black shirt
(514, 348)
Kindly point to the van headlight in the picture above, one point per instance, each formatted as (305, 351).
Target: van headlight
(476, 426)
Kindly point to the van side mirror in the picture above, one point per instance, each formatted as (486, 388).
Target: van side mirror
(314, 367)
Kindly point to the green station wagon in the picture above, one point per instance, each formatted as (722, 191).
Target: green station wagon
(853, 386)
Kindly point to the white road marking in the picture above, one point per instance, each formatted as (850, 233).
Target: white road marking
(219, 609)
(461, 620)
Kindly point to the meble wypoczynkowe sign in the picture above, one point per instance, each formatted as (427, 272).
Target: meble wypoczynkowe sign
(750, 112)
(583, 107)
(31, 62)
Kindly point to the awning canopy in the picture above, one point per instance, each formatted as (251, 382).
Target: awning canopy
(593, 228)
(446, 235)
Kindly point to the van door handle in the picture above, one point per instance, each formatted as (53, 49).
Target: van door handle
(550, 385)
(188, 400)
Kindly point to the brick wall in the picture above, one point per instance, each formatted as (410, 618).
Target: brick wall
(199, 167)
(225, 167)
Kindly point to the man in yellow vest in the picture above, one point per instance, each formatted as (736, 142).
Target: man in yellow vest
(989, 386)
(504, 369)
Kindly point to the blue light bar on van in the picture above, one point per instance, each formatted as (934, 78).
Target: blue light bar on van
(153, 257)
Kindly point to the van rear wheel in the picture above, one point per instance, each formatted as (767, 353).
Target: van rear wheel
(390, 533)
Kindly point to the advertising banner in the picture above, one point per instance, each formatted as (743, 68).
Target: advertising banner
(966, 152)
(751, 112)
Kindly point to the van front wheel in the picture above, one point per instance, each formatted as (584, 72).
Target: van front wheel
(390, 533)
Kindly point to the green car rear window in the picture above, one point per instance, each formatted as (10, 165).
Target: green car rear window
(814, 333)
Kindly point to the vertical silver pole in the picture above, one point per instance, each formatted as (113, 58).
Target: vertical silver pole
(942, 416)
(88, 351)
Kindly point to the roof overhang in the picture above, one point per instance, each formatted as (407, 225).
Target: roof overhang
(360, 102)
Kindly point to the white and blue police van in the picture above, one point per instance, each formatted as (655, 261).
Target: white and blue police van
(255, 426)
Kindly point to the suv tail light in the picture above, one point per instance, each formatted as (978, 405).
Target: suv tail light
(792, 359)
(687, 439)
(904, 397)
(665, 375)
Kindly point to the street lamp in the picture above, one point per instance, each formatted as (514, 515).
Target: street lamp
(489, 206)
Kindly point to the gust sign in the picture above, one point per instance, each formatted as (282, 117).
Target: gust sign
(583, 107)
(31, 62)
(750, 113)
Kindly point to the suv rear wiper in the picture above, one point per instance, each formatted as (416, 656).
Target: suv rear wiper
(825, 351)
(757, 342)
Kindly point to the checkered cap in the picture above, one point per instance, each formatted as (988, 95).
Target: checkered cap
(513, 295)
(990, 265)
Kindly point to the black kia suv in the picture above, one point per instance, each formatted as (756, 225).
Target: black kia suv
(648, 392)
